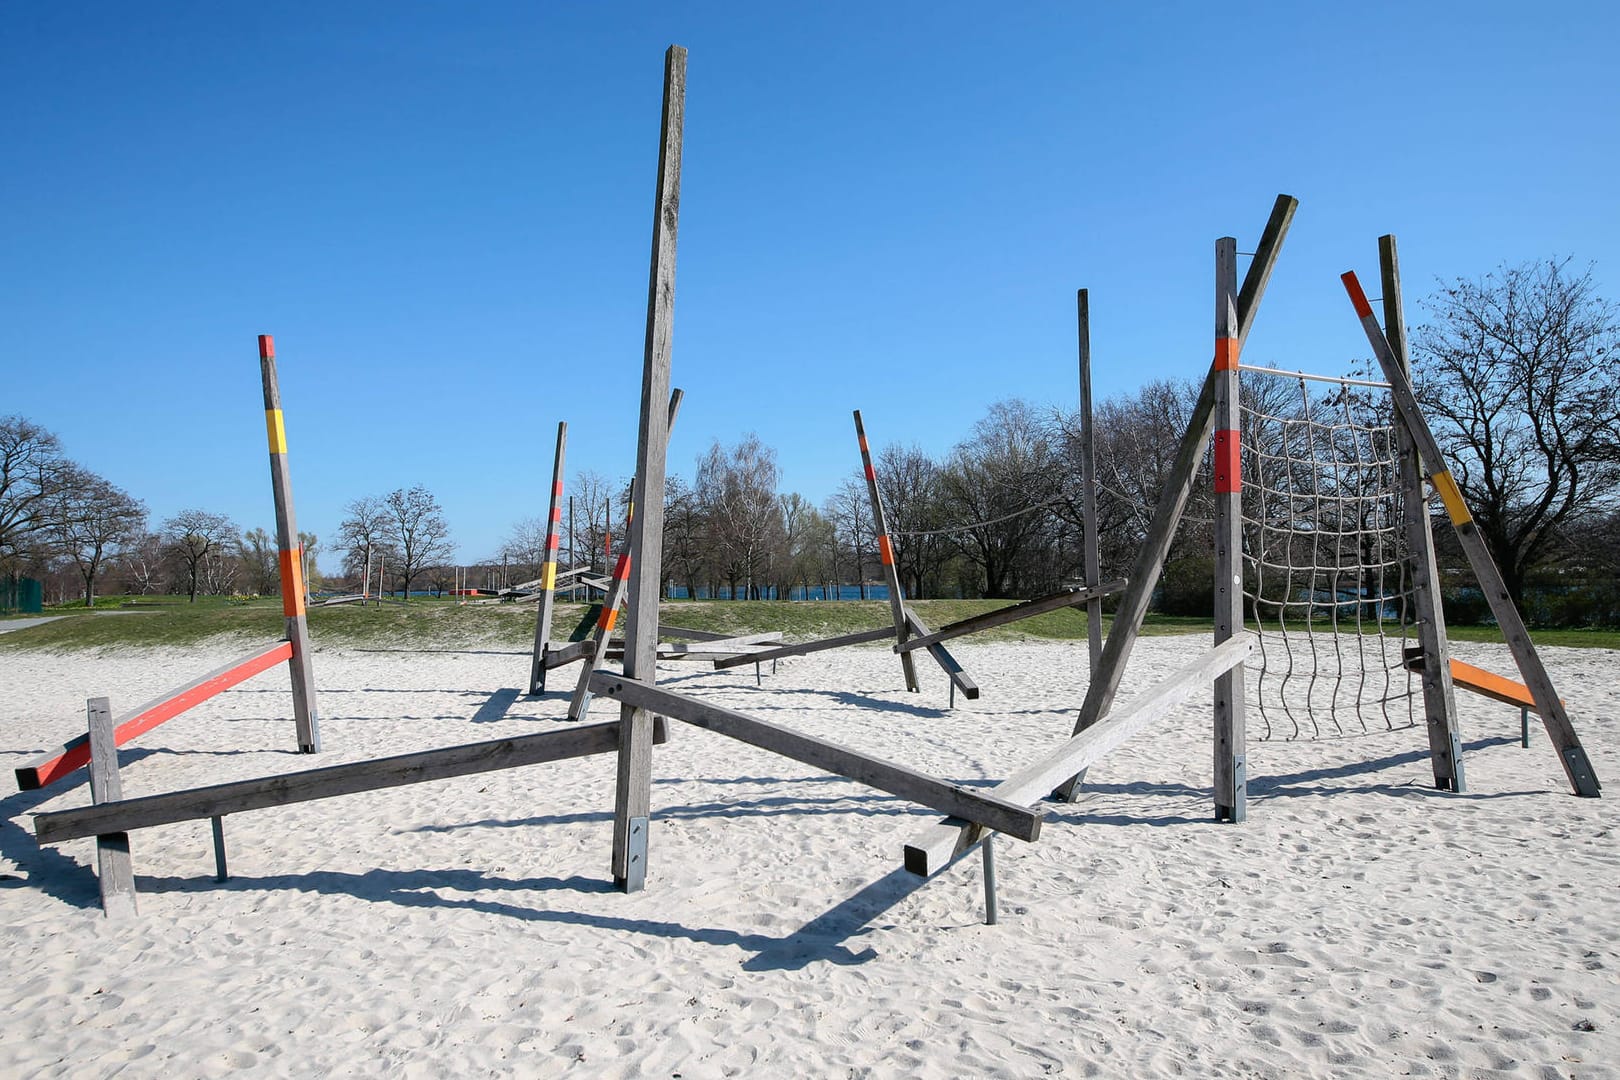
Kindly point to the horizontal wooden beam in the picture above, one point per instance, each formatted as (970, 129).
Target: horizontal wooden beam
(933, 850)
(952, 668)
(75, 753)
(324, 783)
(991, 811)
(807, 647)
(1003, 616)
(571, 652)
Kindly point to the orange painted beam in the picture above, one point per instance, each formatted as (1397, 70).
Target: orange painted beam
(74, 755)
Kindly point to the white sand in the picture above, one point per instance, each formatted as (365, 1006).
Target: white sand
(1359, 924)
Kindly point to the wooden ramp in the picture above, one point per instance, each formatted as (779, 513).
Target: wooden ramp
(1487, 684)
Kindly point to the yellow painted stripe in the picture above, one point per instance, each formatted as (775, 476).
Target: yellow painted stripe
(277, 431)
(548, 577)
(1446, 487)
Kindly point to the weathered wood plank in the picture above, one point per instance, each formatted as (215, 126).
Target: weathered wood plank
(633, 788)
(1439, 698)
(548, 578)
(1173, 496)
(1090, 555)
(948, 663)
(891, 573)
(1230, 736)
(996, 813)
(1577, 766)
(804, 648)
(1002, 616)
(53, 765)
(113, 869)
(945, 841)
(347, 779)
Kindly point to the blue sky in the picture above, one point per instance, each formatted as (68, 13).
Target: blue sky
(442, 212)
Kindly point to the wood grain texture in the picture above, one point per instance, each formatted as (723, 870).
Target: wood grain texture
(1017, 612)
(548, 588)
(113, 869)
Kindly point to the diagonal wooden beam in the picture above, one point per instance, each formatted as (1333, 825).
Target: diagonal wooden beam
(949, 664)
(804, 648)
(1017, 612)
(1021, 822)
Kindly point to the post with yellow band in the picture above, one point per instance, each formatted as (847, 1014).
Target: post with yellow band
(891, 573)
(291, 557)
(548, 573)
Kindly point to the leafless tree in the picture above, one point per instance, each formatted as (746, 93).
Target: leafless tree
(198, 540)
(1518, 374)
(417, 532)
(737, 490)
(849, 510)
(89, 520)
(31, 467)
(365, 535)
(261, 562)
(140, 563)
(913, 501)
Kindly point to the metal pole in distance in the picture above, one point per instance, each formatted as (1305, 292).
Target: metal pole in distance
(548, 572)
(1230, 779)
(305, 712)
(633, 792)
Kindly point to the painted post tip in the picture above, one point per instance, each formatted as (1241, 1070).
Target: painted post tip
(1357, 296)
(267, 346)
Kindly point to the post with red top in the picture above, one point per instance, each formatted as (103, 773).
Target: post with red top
(548, 572)
(1231, 781)
(891, 573)
(305, 713)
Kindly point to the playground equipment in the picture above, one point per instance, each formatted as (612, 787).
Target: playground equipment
(57, 764)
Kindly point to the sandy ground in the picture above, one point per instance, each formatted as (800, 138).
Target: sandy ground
(1359, 924)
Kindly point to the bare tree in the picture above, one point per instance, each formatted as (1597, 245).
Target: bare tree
(31, 465)
(593, 498)
(193, 537)
(417, 533)
(141, 563)
(261, 562)
(89, 520)
(364, 534)
(737, 489)
(849, 509)
(913, 502)
(1518, 375)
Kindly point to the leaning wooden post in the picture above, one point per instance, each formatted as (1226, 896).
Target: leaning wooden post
(1173, 497)
(1088, 490)
(548, 573)
(1439, 697)
(1577, 766)
(113, 867)
(633, 797)
(305, 713)
(891, 573)
(1230, 773)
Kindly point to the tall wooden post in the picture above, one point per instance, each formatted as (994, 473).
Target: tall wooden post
(305, 713)
(113, 868)
(1577, 766)
(1149, 563)
(633, 797)
(1230, 747)
(891, 572)
(1088, 488)
(1439, 697)
(548, 572)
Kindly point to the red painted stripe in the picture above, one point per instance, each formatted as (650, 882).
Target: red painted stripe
(869, 474)
(1357, 297)
(267, 346)
(556, 514)
(76, 754)
(553, 542)
(885, 550)
(1228, 462)
(556, 488)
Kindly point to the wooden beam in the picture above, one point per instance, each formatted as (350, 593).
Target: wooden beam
(113, 869)
(1577, 766)
(1091, 556)
(891, 572)
(75, 754)
(991, 811)
(347, 779)
(804, 648)
(931, 851)
(948, 663)
(1002, 616)
(633, 788)
(1144, 575)
(548, 576)
(1230, 736)
(1439, 698)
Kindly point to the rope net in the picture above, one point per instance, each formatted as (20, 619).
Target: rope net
(1327, 582)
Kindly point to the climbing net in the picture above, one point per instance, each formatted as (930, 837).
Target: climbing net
(1327, 581)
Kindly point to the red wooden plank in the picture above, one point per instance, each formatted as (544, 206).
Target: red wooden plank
(75, 754)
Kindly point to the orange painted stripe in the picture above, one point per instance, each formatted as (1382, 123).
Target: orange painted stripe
(885, 550)
(292, 582)
(606, 620)
(76, 754)
(1357, 297)
(621, 572)
(1228, 462)
(267, 347)
(864, 448)
(1226, 353)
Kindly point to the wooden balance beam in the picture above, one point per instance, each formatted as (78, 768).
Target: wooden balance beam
(1487, 684)
(1002, 616)
(75, 754)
